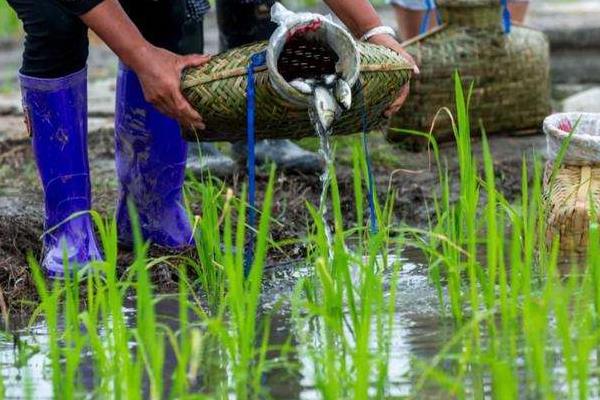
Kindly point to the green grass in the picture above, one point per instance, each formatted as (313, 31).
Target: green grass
(9, 23)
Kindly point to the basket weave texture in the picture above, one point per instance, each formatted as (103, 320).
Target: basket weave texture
(569, 201)
(573, 197)
(218, 91)
(510, 72)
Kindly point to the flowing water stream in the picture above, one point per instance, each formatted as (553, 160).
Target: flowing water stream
(325, 149)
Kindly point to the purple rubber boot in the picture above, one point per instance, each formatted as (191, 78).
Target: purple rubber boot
(56, 115)
(150, 157)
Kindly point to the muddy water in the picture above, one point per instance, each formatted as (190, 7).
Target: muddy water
(420, 333)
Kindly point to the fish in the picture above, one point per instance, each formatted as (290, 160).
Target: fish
(329, 80)
(302, 86)
(343, 94)
(325, 107)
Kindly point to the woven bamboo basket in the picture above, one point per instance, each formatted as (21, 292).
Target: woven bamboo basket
(218, 91)
(573, 197)
(510, 72)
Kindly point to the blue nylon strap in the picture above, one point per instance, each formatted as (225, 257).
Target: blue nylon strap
(429, 6)
(506, 20)
(257, 60)
(365, 143)
(425, 20)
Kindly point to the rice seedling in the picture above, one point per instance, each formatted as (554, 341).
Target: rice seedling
(525, 322)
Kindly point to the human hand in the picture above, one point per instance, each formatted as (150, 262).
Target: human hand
(159, 71)
(391, 43)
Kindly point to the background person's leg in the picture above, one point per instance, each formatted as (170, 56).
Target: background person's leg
(241, 23)
(247, 22)
(409, 17)
(54, 89)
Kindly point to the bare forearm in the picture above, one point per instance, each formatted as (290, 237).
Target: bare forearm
(358, 15)
(158, 70)
(110, 22)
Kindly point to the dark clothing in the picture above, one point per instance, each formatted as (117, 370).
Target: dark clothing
(243, 22)
(56, 40)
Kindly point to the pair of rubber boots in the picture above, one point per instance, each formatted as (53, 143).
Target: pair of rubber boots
(150, 162)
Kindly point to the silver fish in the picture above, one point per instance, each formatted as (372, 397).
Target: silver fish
(325, 107)
(329, 80)
(302, 86)
(343, 94)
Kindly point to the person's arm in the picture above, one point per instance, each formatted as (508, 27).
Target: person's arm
(360, 17)
(159, 70)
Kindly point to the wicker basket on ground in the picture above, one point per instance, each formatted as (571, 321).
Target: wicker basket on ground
(305, 45)
(573, 196)
(510, 72)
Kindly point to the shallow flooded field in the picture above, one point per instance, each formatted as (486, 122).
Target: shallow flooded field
(419, 332)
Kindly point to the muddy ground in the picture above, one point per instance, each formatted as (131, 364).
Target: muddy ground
(410, 176)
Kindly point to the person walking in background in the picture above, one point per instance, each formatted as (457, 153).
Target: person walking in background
(410, 15)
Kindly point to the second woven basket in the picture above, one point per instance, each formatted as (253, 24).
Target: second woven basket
(510, 72)
(572, 195)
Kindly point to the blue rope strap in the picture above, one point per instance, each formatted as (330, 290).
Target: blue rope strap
(257, 60)
(506, 20)
(429, 4)
(365, 143)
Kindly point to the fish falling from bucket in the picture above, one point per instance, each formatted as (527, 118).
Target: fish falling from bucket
(330, 96)
(314, 63)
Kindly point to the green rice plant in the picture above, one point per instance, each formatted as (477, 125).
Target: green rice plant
(236, 325)
(209, 266)
(347, 328)
(523, 327)
(49, 300)
(519, 305)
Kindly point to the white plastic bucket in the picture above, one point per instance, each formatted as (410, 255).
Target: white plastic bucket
(584, 145)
